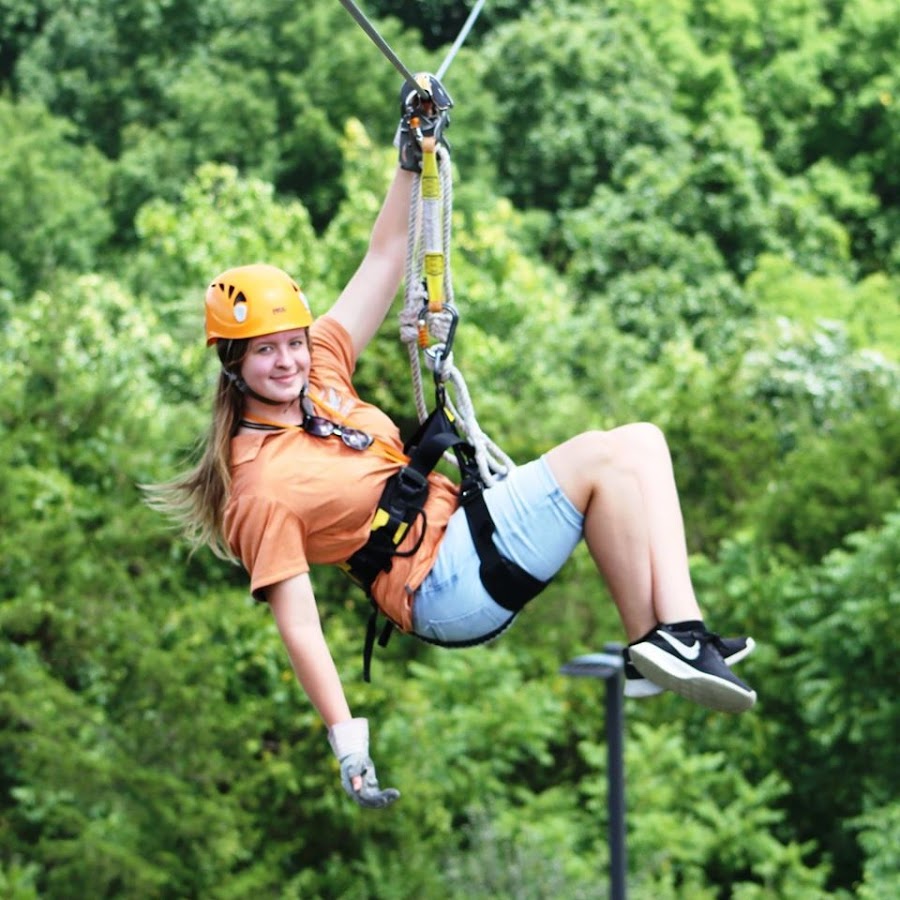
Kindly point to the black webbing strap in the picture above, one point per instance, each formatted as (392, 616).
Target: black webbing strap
(508, 583)
(369, 646)
(403, 501)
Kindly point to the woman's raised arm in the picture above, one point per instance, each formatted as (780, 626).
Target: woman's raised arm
(365, 301)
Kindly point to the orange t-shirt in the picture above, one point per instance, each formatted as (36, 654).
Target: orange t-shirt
(297, 499)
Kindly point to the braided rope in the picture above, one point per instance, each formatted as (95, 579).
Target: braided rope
(414, 299)
(493, 463)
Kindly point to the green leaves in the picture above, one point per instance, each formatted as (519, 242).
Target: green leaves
(53, 218)
(572, 95)
(221, 219)
(683, 212)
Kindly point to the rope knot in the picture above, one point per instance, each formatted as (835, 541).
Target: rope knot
(409, 325)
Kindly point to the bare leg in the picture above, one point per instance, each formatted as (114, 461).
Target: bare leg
(622, 482)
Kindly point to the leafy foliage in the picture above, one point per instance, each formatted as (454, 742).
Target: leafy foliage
(677, 211)
(53, 217)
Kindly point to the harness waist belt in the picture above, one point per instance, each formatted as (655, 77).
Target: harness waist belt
(403, 502)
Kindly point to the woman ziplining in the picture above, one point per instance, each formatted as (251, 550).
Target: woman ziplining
(298, 470)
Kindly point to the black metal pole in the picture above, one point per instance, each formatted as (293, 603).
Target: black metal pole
(609, 666)
(615, 772)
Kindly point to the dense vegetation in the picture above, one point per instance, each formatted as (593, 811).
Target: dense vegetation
(674, 210)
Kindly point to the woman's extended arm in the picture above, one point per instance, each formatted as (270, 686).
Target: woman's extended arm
(293, 604)
(365, 301)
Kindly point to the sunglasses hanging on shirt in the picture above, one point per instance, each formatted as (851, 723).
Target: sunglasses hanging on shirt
(319, 427)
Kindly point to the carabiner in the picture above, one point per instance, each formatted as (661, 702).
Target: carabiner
(438, 354)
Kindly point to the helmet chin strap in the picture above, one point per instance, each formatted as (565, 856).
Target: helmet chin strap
(248, 391)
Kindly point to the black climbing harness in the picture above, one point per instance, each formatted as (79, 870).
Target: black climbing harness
(402, 504)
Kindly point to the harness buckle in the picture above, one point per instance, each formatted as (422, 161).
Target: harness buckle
(411, 482)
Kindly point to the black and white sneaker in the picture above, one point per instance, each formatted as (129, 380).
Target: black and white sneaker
(733, 650)
(635, 683)
(690, 663)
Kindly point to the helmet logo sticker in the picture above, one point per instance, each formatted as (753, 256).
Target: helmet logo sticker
(240, 308)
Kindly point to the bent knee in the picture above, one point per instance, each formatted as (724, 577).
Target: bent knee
(616, 446)
(626, 450)
(643, 436)
(622, 445)
(584, 462)
(640, 445)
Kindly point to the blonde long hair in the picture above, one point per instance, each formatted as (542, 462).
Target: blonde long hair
(195, 500)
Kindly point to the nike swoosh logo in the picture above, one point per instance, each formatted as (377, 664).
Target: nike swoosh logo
(691, 651)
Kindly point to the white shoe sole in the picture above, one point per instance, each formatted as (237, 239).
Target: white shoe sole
(641, 688)
(662, 668)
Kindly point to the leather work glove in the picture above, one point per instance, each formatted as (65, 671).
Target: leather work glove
(421, 118)
(350, 743)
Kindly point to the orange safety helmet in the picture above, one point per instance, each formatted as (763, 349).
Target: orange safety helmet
(248, 301)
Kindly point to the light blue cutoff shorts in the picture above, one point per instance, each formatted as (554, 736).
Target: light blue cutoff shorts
(537, 527)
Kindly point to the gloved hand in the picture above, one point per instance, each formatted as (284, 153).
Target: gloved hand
(350, 743)
(421, 118)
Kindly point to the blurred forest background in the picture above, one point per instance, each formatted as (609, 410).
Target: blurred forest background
(684, 211)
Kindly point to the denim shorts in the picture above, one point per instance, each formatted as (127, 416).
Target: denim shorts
(537, 527)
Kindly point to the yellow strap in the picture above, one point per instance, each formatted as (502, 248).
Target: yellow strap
(430, 186)
(431, 182)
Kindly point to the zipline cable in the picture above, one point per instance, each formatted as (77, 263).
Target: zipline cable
(460, 38)
(383, 46)
(392, 57)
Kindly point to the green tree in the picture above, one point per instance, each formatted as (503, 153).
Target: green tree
(571, 95)
(838, 426)
(820, 79)
(142, 81)
(869, 309)
(821, 725)
(840, 620)
(104, 65)
(53, 217)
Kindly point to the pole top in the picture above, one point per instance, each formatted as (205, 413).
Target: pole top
(597, 665)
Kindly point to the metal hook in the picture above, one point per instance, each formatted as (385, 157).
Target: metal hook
(438, 354)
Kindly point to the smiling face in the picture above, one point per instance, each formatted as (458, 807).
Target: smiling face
(276, 366)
